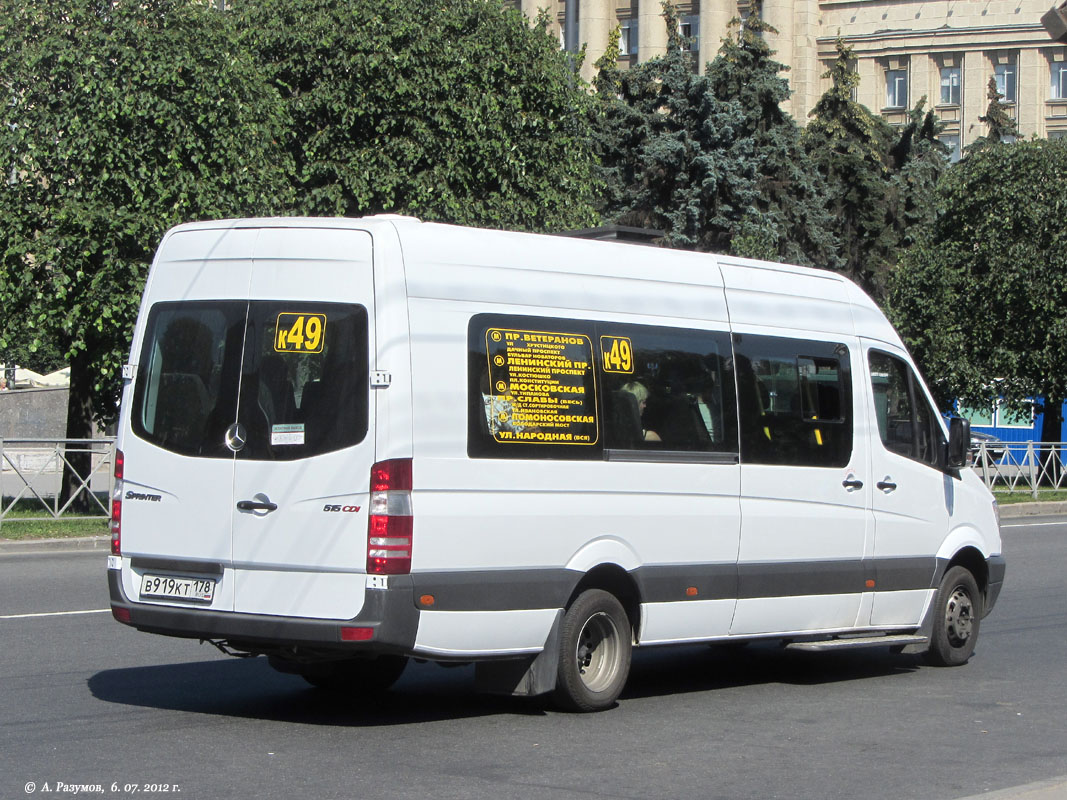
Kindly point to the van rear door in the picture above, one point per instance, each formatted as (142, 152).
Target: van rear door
(177, 501)
(302, 468)
(249, 464)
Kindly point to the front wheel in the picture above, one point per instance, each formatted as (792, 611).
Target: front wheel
(594, 658)
(958, 612)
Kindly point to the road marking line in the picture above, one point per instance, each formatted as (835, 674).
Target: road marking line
(1030, 524)
(56, 613)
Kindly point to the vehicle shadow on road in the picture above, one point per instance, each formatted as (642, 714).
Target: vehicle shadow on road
(251, 688)
(426, 692)
(700, 668)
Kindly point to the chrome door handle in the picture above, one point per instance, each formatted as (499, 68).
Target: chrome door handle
(256, 505)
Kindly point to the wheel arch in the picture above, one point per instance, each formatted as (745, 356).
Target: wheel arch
(972, 559)
(615, 580)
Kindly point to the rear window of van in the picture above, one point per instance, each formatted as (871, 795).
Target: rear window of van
(293, 376)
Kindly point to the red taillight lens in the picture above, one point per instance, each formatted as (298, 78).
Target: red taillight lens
(116, 504)
(357, 634)
(390, 523)
(391, 475)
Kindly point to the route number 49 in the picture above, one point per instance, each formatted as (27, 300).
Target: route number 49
(299, 333)
(618, 354)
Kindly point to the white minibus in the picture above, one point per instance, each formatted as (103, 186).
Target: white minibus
(345, 443)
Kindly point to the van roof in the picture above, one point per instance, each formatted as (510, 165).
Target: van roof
(449, 262)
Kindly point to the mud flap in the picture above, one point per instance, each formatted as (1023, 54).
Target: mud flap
(524, 677)
(926, 629)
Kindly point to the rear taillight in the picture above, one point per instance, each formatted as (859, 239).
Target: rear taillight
(116, 505)
(389, 525)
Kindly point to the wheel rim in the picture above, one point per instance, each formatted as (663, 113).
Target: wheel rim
(598, 652)
(959, 617)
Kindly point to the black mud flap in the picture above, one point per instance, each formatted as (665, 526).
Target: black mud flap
(523, 677)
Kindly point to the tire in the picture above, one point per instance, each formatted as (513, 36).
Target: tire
(595, 643)
(357, 676)
(958, 613)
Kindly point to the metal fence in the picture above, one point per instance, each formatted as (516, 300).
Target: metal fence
(31, 478)
(31, 473)
(1022, 466)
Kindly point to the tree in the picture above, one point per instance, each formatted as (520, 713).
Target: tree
(1002, 125)
(847, 144)
(452, 110)
(118, 121)
(788, 220)
(916, 162)
(668, 149)
(880, 179)
(982, 302)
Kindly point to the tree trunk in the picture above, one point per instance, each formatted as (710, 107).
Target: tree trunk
(79, 426)
(1052, 431)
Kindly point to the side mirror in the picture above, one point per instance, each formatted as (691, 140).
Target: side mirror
(959, 443)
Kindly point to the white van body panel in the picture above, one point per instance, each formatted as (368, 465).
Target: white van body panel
(713, 547)
(465, 634)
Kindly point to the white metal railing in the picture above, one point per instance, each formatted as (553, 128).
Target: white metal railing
(31, 474)
(1022, 466)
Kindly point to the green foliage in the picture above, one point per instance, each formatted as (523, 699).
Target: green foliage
(788, 220)
(1002, 126)
(880, 180)
(846, 143)
(983, 303)
(669, 150)
(118, 122)
(452, 110)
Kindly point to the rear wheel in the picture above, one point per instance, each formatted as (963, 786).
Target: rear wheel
(354, 676)
(594, 658)
(958, 612)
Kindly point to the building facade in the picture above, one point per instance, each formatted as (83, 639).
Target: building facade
(945, 51)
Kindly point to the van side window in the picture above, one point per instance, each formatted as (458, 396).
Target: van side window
(532, 388)
(795, 401)
(667, 389)
(572, 389)
(906, 423)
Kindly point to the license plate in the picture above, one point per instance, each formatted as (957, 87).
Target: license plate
(200, 590)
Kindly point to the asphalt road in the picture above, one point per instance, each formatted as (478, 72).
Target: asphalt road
(84, 700)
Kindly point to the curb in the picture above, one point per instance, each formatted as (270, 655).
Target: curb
(101, 544)
(1053, 789)
(1033, 509)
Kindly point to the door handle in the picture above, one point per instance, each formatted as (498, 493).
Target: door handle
(886, 485)
(852, 483)
(256, 505)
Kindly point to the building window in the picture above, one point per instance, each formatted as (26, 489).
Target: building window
(952, 142)
(628, 37)
(950, 86)
(1057, 134)
(689, 28)
(1058, 90)
(1007, 79)
(896, 88)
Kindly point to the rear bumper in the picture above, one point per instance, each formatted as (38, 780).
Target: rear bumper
(390, 613)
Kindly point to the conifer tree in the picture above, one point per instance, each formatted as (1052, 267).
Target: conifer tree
(788, 221)
(669, 151)
(1002, 126)
(847, 144)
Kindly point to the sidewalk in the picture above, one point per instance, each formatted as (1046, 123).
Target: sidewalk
(1054, 789)
(1016, 510)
